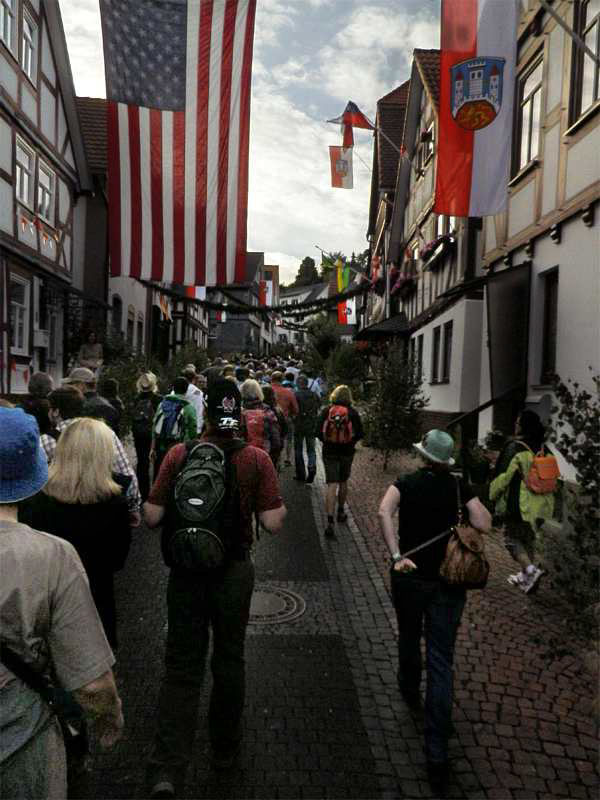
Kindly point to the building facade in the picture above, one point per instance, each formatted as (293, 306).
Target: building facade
(44, 185)
(542, 255)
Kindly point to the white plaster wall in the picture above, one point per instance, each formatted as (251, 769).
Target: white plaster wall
(8, 77)
(445, 396)
(28, 102)
(69, 156)
(550, 173)
(6, 207)
(47, 60)
(62, 124)
(67, 252)
(521, 209)
(132, 293)
(583, 164)
(28, 235)
(48, 113)
(63, 201)
(6, 147)
(555, 68)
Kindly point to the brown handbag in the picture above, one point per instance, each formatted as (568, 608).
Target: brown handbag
(465, 565)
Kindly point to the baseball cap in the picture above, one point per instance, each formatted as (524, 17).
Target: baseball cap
(224, 404)
(23, 463)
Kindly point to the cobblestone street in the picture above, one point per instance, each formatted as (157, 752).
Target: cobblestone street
(324, 718)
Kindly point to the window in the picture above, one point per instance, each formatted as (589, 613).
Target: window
(24, 173)
(130, 325)
(435, 354)
(550, 326)
(28, 48)
(140, 335)
(420, 355)
(19, 314)
(451, 224)
(585, 71)
(447, 354)
(528, 123)
(7, 23)
(45, 193)
(440, 225)
(117, 313)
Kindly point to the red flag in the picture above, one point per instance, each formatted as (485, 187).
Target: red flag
(178, 89)
(340, 159)
(342, 313)
(353, 116)
(348, 140)
(262, 293)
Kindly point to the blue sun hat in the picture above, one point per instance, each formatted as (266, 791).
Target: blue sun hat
(23, 463)
(436, 446)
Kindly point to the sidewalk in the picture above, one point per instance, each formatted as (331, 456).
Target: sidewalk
(323, 715)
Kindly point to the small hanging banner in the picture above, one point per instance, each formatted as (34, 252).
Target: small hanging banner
(341, 167)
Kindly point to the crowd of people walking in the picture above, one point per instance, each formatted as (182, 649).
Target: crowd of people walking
(209, 455)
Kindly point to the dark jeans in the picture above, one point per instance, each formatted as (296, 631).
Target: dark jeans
(142, 449)
(440, 608)
(299, 439)
(195, 603)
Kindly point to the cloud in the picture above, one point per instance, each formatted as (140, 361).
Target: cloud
(81, 21)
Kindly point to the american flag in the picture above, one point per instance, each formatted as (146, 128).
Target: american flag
(178, 89)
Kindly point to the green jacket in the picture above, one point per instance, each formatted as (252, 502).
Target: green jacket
(532, 507)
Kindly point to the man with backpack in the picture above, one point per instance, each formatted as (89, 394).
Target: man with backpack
(339, 428)
(174, 422)
(304, 431)
(142, 416)
(524, 499)
(207, 494)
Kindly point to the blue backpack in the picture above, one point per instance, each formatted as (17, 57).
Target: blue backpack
(168, 424)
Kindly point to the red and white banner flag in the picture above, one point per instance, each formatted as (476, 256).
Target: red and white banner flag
(262, 293)
(178, 89)
(342, 313)
(341, 167)
(477, 77)
(196, 292)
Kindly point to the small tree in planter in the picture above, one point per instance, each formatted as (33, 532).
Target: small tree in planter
(346, 365)
(576, 433)
(394, 414)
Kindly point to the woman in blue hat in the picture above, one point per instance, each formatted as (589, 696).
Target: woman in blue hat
(427, 505)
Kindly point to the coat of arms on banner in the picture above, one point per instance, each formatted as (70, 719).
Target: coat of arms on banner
(476, 91)
(341, 167)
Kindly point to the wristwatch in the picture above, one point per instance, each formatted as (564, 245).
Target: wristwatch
(396, 557)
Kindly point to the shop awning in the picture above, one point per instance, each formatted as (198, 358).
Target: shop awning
(384, 329)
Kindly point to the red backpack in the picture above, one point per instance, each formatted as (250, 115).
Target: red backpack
(256, 428)
(337, 428)
(543, 473)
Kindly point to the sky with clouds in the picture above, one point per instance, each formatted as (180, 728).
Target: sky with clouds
(310, 58)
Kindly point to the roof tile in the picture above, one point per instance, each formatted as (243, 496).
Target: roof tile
(428, 62)
(92, 118)
(390, 118)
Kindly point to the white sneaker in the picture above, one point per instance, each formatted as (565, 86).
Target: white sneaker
(532, 578)
(517, 580)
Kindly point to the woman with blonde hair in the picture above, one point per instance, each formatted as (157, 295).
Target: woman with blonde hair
(339, 428)
(142, 415)
(84, 503)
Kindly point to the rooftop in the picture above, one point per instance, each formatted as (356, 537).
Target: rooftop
(428, 64)
(92, 118)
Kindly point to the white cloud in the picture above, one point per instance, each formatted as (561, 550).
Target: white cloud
(81, 21)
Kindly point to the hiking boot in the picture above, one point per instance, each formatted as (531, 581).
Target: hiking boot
(311, 476)
(299, 478)
(341, 515)
(532, 580)
(330, 531)
(412, 698)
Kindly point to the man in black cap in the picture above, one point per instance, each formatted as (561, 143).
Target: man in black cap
(218, 598)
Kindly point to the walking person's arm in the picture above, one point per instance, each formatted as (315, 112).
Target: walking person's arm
(100, 700)
(479, 516)
(387, 508)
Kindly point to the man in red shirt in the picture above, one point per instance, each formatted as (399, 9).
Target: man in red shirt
(286, 400)
(219, 598)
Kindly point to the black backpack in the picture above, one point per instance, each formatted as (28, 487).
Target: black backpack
(204, 515)
(143, 414)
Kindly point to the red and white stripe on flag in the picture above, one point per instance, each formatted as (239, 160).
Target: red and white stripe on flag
(262, 293)
(477, 77)
(196, 292)
(341, 167)
(178, 179)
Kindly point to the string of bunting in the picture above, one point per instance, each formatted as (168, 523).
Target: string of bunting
(236, 307)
